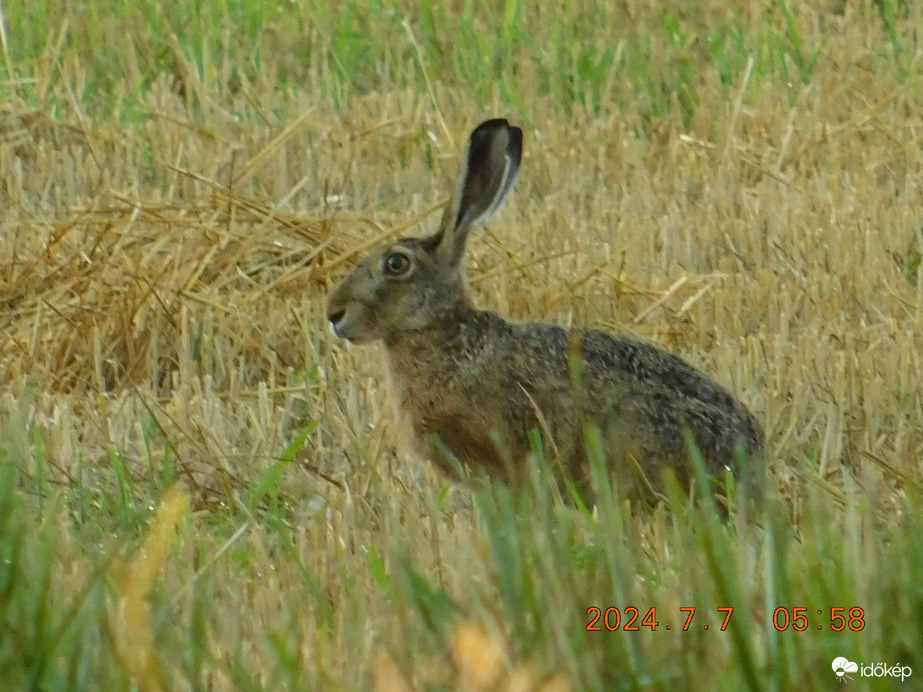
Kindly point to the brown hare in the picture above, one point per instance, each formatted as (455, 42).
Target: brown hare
(471, 387)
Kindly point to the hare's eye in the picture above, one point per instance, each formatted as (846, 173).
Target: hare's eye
(397, 263)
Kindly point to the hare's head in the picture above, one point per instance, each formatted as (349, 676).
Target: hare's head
(414, 283)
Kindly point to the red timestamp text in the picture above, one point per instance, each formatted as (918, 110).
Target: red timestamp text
(797, 619)
(630, 619)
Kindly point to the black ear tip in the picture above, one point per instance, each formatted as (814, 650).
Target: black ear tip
(489, 128)
(492, 124)
(487, 133)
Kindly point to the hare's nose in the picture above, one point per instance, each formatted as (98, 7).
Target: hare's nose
(335, 317)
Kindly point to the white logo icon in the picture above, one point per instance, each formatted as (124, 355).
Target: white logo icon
(841, 666)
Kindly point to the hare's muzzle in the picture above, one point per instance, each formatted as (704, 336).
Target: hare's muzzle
(335, 319)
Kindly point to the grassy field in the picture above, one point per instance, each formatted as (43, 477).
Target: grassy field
(199, 489)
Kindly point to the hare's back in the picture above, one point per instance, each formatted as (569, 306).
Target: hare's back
(647, 397)
(661, 388)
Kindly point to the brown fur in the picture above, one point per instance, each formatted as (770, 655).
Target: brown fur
(470, 385)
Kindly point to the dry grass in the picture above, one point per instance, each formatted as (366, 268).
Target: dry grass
(162, 281)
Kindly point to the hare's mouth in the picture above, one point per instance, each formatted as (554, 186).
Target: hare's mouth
(338, 325)
(338, 331)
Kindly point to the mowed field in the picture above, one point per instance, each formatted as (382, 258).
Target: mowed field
(200, 488)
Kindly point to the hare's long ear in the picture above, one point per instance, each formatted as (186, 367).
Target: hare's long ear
(488, 173)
